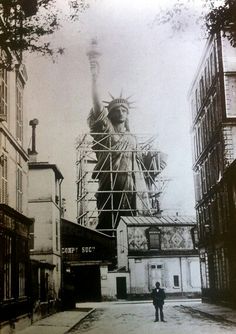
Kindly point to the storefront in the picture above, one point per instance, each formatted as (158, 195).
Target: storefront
(14, 264)
(85, 252)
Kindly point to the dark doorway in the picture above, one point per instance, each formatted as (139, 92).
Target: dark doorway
(121, 288)
(87, 283)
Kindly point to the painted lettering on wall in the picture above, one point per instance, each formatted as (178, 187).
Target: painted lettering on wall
(76, 250)
(88, 249)
(70, 250)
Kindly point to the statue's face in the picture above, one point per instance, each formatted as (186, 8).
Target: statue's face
(118, 115)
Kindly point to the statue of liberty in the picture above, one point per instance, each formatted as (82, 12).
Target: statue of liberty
(122, 189)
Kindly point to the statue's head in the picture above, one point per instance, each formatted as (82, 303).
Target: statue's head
(118, 110)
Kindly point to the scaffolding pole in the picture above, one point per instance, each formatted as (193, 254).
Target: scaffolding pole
(91, 171)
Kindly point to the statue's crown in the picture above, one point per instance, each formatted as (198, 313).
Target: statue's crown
(115, 102)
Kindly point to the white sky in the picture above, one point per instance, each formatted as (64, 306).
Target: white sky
(144, 60)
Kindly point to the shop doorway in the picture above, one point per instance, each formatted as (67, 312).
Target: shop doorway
(87, 283)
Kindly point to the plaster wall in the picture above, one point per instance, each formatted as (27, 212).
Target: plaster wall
(229, 55)
(122, 245)
(145, 272)
(108, 283)
(42, 185)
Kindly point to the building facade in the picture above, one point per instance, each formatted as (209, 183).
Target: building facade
(14, 221)
(152, 249)
(45, 234)
(213, 106)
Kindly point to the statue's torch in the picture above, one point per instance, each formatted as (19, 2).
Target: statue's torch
(93, 56)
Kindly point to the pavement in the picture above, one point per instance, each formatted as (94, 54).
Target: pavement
(63, 322)
(211, 311)
(58, 323)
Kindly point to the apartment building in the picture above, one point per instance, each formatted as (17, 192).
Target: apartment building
(14, 220)
(212, 98)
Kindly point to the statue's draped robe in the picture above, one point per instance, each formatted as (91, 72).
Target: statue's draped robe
(126, 187)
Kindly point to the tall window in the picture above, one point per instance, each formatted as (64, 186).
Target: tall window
(154, 237)
(201, 89)
(3, 180)
(31, 240)
(57, 235)
(22, 279)
(3, 94)
(19, 110)
(19, 189)
(22, 267)
(7, 267)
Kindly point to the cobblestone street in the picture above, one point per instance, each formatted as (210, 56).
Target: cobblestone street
(139, 319)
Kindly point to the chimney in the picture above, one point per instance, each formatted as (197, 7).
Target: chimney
(32, 152)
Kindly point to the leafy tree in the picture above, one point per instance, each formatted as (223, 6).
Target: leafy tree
(223, 18)
(25, 25)
(208, 13)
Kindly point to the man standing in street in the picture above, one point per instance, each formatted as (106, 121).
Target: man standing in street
(158, 296)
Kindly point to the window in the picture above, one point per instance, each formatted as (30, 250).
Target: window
(21, 259)
(31, 240)
(22, 280)
(3, 180)
(205, 80)
(211, 65)
(214, 64)
(7, 269)
(57, 235)
(154, 238)
(203, 176)
(197, 100)
(19, 111)
(201, 90)
(19, 189)
(176, 280)
(3, 95)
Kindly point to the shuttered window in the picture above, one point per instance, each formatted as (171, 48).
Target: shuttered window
(19, 189)
(4, 179)
(3, 94)
(19, 110)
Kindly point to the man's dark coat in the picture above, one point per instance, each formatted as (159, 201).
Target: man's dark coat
(158, 297)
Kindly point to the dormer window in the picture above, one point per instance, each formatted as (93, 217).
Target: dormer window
(154, 238)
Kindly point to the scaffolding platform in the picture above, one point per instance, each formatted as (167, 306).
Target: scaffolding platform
(117, 174)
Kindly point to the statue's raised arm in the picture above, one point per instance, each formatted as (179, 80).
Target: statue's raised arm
(93, 56)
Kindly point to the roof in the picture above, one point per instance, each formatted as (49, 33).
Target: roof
(162, 220)
(72, 229)
(6, 209)
(46, 165)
